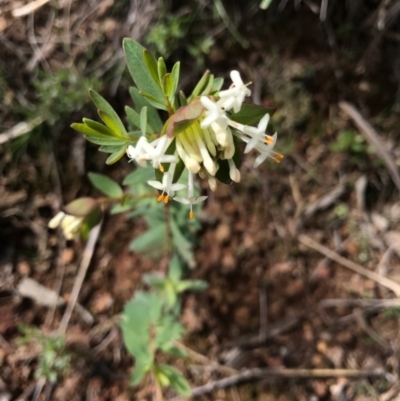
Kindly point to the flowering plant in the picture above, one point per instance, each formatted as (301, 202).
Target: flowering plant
(201, 137)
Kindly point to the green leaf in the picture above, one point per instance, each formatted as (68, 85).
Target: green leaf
(102, 129)
(154, 280)
(143, 79)
(110, 149)
(155, 102)
(174, 351)
(200, 86)
(143, 121)
(168, 85)
(194, 285)
(153, 117)
(167, 330)
(175, 269)
(183, 118)
(86, 130)
(176, 379)
(152, 243)
(81, 207)
(251, 114)
(105, 107)
(117, 155)
(175, 76)
(109, 121)
(133, 117)
(182, 99)
(265, 4)
(90, 222)
(151, 65)
(162, 69)
(182, 245)
(217, 85)
(142, 367)
(106, 185)
(106, 140)
(139, 176)
(207, 90)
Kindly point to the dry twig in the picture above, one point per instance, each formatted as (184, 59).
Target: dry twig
(390, 284)
(266, 373)
(20, 129)
(87, 257)
(373, 138)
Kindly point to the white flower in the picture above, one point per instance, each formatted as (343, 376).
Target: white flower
(234, 97)
(214, 113)
(191, 199)
(234, 173)
(69, 224)
(166, 186)
(267, 151)
(155, 151)
(257, 134)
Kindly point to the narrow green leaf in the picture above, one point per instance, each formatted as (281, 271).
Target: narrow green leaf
(251, 114)
(155, 102)
(154, 280)
(133, 117)
(265, 4)
(134, 53)
(168, 85)
(208, 89)
(162, 69)
(175, 75)
(102, 129)
(200, 86)
(117, 155)
(106, 140)
(106, 185)
(110, 149)
(107, 119)
(168, 330)
(217, 85)
(143, 121)
(139, 176)
(174, 351)
(80, 207)
(182, 99)
(175, 268)
(176, 379)
(153, 117)
(85, 129)
(151, 65)
(105, 107)
(194, 285)
(152, 243)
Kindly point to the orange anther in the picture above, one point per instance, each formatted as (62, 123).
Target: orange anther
(161, 168)
(191, 214)
(166, 199)
(160, 198)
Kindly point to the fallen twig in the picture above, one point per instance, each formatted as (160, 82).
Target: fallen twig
(87, 257)
(266, 373)
(373, 138)
(28, 8)
(384, 281)
(20, 129)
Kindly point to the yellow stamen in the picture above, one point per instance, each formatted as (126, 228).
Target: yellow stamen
(191, 214)
(160, 198)
(166, 199)
(161, 168)
(279, 156)
(276, 159)
(269, 140)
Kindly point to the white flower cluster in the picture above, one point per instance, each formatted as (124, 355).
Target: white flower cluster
(204, 143)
